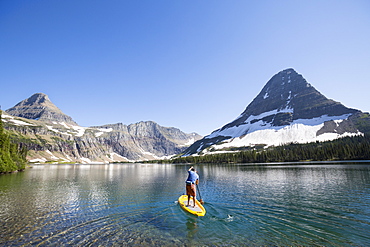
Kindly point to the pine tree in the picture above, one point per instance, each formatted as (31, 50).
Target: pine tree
(12, 157)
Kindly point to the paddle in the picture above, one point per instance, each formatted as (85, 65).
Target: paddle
(200, 197)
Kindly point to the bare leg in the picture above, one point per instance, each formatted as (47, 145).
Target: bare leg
(188, 200)
(195, 195)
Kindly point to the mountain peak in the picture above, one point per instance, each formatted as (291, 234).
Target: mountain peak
(37, 98)
(39, 107)
(286, 100)
(291, 97)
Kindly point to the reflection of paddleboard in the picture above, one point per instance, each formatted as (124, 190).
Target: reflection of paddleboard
(197, 210)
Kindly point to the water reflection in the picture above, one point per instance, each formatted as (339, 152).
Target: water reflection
(192, 227)
(297, 203)
(134, 204)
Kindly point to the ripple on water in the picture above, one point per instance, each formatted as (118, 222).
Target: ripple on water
(244, 208)
(286, 224)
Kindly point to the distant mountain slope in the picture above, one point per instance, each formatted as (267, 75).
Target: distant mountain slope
(146, 140)
(53, 136)
(288, 109)
(39, 107)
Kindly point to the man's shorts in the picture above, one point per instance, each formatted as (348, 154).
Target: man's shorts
(190, 189)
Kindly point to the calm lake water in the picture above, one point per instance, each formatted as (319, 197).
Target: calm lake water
(309, 204)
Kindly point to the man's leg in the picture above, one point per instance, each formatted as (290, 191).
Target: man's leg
(195, 193)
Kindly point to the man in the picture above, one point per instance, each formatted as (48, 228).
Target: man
(193, 179)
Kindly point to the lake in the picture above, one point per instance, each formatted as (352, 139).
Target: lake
(309, 204)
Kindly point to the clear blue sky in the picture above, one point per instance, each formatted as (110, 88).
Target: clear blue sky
(194, 65)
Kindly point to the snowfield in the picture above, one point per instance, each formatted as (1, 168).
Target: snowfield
(247, 126)
(300, 131)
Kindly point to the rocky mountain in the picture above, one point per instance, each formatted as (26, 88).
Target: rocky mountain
(288, 109)
(39, 107)
(52, 136)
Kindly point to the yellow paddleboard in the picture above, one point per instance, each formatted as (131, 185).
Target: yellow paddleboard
(197, 210)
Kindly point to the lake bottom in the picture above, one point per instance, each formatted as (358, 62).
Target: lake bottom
(130, 205)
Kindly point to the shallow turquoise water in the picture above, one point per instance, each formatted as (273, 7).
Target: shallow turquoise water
(309, 204)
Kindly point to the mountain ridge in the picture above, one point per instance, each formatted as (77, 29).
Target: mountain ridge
(39, 107)
(287, 109)
(53, 136)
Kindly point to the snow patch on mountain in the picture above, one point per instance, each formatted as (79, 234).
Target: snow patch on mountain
(255, 123)
(38, 160)
(51, 128)
(102, 131)
(296, 133)
(64, 124)
(6, 116)
(200, 148)
(188, 143)
(114, 157)
(260, 132)
(14, 121)
(19, 122)
(76, 130)
(251, 124)
(153, 156)
(322, 119)
(85, 160)
(52, 156)
(80, 130)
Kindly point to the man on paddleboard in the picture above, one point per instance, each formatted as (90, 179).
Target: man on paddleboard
(193, 179)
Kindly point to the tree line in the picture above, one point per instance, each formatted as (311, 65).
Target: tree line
(12, 155)
(347, 148)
